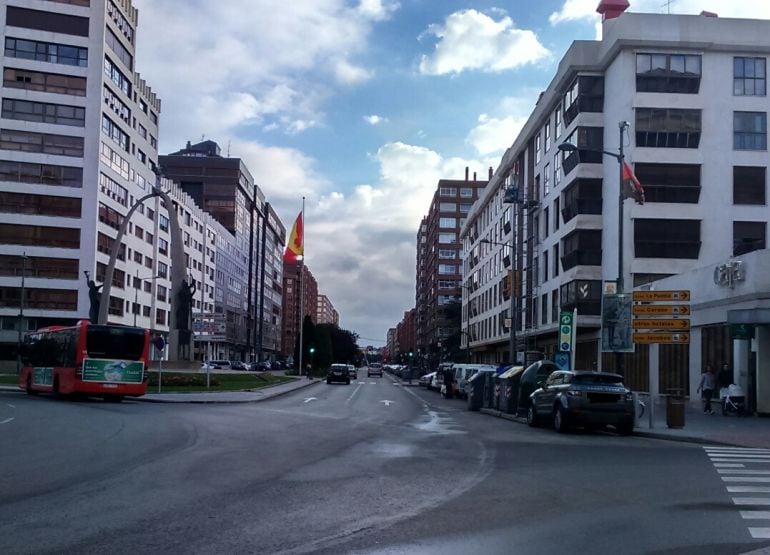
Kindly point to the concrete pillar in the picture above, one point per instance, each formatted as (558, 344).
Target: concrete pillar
(696, 364)
(741, 350)
(762, 339)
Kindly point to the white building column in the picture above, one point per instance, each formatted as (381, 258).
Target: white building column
(762, 342)
(741, 350)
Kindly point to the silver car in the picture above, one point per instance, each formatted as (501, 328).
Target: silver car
(571, 398)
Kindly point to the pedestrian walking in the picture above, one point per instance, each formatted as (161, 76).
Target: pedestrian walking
(706, 388)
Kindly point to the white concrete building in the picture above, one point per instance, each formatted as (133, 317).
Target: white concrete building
(694, 92)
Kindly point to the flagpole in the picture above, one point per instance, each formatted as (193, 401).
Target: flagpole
(302, 294)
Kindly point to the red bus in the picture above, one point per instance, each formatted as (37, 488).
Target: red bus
(105, 361)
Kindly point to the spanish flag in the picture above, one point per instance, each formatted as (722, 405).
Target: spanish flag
(632, 188)
(296, 245)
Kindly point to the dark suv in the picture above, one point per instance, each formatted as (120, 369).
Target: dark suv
(571, 398)
(338, 373)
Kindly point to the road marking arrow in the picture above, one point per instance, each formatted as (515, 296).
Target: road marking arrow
(387, 403)
(310, 399)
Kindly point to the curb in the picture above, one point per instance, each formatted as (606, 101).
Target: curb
(222, 401)
(650, 435)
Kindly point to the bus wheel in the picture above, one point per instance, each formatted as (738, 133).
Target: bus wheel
(28, 388)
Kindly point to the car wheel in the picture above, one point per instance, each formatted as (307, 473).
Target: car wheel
(532, 416)
(328, 382)
(347, 382)
(626, 428)
(28, 388)
(560, 420)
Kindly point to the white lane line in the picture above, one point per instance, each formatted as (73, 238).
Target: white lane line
(740, 456)
(744, 449)
(372, 383)
(728, 465)
(742, 460)
(755, 515)
(758, 533)
(354, 392)
(755, 479)
(6, 420)
(747, 489)
(743, 471)
(751, 500)
(12, 406)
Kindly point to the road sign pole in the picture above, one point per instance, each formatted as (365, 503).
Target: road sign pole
(573, 349)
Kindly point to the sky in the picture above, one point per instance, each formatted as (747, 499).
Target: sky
(361, 106)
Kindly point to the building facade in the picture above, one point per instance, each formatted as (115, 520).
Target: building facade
(298, 284)
(325, 312)
(687, 95)
(224, 188)
(78, 141)
(439, 269)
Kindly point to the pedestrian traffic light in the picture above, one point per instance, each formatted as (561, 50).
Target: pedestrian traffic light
(411, 354)
(312, 350)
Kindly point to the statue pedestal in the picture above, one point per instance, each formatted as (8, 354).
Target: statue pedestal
(176, 348)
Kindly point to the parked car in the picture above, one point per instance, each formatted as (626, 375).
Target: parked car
(464, 372)
(534, 374)
(572, 397)
(238, 365)
(374, 369)
(338, 373)
(261, 366)
(352, 371)
(425, 380)
(219, 364)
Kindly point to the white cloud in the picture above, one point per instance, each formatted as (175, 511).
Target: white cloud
(469, 40)
(251, 69)
(575, 10)
(375, 119)
(495, 134)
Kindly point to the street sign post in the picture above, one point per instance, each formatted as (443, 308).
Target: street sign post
(661, 324)
(681, 295)
(661, 310)
(661, 337)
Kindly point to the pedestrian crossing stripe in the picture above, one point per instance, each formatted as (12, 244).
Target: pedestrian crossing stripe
(751, 500)
(760, 533)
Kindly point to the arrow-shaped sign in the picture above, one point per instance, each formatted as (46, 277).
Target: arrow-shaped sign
(387, 403)
(661, 309)
(310, 399)
(661, 324)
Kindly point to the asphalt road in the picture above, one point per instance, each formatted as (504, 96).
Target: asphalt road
(367, 468)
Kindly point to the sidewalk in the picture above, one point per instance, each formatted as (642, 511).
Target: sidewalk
(254, 396)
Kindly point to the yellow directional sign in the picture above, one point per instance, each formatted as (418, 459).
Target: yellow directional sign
(661, 309)
(661, 324)
(661, 337)
(682, 295)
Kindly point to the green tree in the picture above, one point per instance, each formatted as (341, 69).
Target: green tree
(308, 338)
(324, 355)
(344, 344)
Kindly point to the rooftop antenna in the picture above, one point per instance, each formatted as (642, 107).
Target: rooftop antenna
(228, 149)
(667, 5)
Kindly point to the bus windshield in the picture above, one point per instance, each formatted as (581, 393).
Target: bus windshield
(115, 343)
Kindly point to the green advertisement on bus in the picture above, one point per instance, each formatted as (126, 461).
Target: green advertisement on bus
(113, 371)
(43, 376)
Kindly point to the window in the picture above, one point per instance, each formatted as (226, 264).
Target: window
(663, 238)
(582, 247)
(120, 21)
(555, 305)
(447, 237)
(538, 151)
(447, 253)
(113, 189)
(46, 52)
(668, 127)
(46, 21)
(43, 112)
(446, 284)
(582, 196)
(163, 223)
(586, 94)
(45, 82)
(44, 174)
(117, 106)
(466, 192)
(672, 73)
(556, 214)
(447, 222)
(112, 71)
(546, 179)
(749, 185)
(447, 206)
(544, 308)
(41, 205)
(555, 260)
(447, 191)
(546, 221)
(162, 270)
(556, 169)
(585, 295)
(444, 269)
(750, 130)
(547, 136)
(46, 143)
(113, 130)
(678, 183)
(465, 208)
(748, 236)
(749, 77)
(557, 122)
(40, 236)
(123, 55)
(590, 143)
(115, 161)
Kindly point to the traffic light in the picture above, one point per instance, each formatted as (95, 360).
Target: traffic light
(411, 354)
(312, 350)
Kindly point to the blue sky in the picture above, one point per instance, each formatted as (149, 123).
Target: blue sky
(362, 106)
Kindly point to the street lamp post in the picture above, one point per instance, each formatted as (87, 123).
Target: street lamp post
(512, 309)
(21, 313)
(620, 157)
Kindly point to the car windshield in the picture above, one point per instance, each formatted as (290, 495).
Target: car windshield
(597, 379)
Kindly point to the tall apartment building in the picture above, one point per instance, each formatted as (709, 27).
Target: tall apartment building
(694, 91)
(224, 188)
(294, 289)
(325, 312)
(78, 137)
(439, 272)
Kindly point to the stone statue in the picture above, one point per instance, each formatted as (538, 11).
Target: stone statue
(95, 296)
(184, 303)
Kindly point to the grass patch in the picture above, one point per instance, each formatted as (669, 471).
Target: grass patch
(183, 382)
(9, 379)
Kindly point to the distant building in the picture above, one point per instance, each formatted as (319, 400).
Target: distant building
(295, 310)
(326, 313)
(439, 269)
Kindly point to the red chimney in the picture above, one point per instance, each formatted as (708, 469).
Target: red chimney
(474, 177)
(610, 9)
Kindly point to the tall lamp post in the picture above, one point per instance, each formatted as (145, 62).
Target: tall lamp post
(512, 333)
(620, 157)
